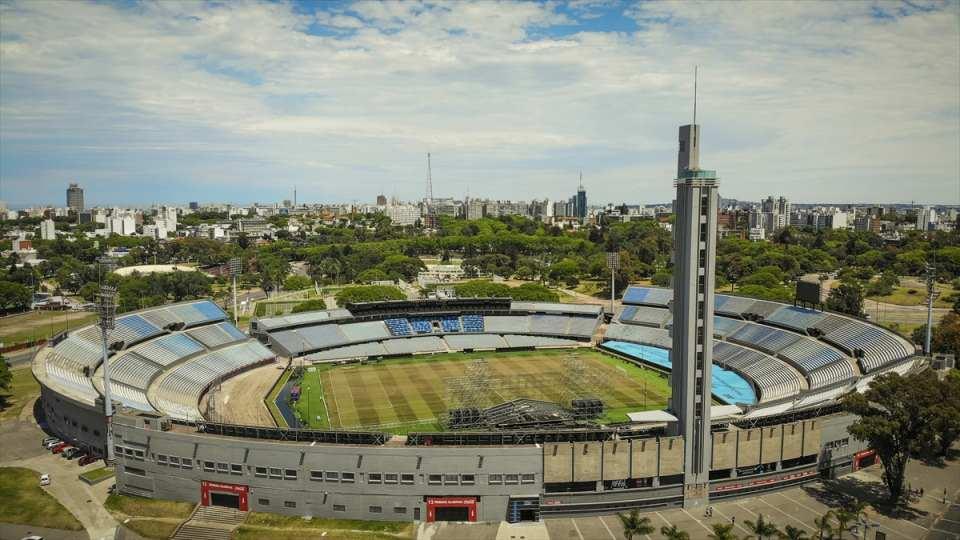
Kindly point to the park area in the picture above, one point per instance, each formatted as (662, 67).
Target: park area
(37, 325)
(403, 395)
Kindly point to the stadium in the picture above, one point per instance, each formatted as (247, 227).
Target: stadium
(478, 409)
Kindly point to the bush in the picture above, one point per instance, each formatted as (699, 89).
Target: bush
(297, 283)
(368, 293)
(309, 305)
(662, 279)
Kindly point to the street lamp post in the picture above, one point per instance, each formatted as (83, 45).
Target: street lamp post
(613, 263)
(107, 309)
(234, 272)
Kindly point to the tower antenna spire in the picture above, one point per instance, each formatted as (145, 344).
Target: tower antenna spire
(429, 180)
(695, 70)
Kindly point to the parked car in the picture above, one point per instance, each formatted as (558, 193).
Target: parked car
(60, 448)
(87, 459)
(48, 440)
(72, 452)
(52, 443)
(44, 479)
(32, 537)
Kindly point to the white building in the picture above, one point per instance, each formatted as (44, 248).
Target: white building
(405, 214)
(48, 229)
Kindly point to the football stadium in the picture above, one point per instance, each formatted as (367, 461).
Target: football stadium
(480, 409)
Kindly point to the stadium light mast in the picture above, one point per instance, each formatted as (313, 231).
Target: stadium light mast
(695, 252)
(931, 296)
(107, 310)
(613, 263)
(234, 272)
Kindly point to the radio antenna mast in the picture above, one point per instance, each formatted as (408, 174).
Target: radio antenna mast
(695, 70)
(429, 180)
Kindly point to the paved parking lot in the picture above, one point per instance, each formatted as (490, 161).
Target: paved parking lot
(925, 518)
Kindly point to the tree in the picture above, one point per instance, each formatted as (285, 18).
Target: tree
(945, 337)
(297, 283)
(14, 296)
(846, 298)
(946, 421)
(372, 274)
(844, 517)
(763, 529)
(633, 524)
(368, 293)
(895, 418)
(309, 305)
(793, 533)
(6, 379)
(824, 523)
(722, 531)
(674, 533)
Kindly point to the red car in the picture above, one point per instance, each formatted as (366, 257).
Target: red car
(87, 459)
(60, 448)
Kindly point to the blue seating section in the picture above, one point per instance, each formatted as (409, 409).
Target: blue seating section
(764, 338)
(628, 313)
(421, 326)
(472, 323)
(450, 324)
(398, 327)
(134, 328)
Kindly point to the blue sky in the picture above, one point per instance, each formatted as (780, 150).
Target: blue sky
(144, 102)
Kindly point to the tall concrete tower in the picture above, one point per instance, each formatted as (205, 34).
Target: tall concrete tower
(694, 245)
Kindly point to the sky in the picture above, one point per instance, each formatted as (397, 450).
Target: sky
(171, 102)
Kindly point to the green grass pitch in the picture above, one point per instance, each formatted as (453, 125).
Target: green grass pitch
(411, 394)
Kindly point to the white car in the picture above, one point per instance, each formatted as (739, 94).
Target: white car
(44, 479)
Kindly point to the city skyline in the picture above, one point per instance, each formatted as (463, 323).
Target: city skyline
(343, 100)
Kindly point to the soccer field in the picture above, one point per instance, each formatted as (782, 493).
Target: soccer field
(412, 394)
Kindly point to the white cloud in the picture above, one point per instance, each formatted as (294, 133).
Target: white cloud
(810, 99)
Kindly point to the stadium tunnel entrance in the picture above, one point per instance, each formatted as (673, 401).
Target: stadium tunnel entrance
(451, 509)
(228, 495)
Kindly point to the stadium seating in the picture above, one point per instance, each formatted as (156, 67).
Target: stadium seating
(773, 378)
(648, 296)
(472, 323)
(450, 324)
(361, 350)
(459, 342)
(179, 390)
(132, 329)
(796, 318)
(216, 335)
(731, 305)
(364, 331)
(506, 324)
(879, 347)
(724, 326)
(168, 349)
(837, 372)
(764, 338)
(517, 341)
(415, 345)
(398, 327)
(582, 327)
(646, 316)
(548, 324)
(421, 326)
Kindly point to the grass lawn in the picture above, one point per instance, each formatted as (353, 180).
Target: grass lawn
(41, 325)
(25, 503)
(142, 507)
(903, 296)
(412, 394)
(272, 399)
(97, 474)
(591, 288)
(23, 388)
(260, 525)
(903, 328)
(152, 528)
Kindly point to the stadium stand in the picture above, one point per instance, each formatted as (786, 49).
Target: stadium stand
(365, 331)
(518, 341)
(764, 338)
(472, 323)
(648, 296)
(724, 326)
(168, 349)
(398, 327)
(134, 329)
(415, 345)
(217, 334)
(362, 350)
(505, 324)
(646, 316)
(730, 305)
(421, 326)
(795, 318)
(459, 342)
(773, 378)
(450, 324)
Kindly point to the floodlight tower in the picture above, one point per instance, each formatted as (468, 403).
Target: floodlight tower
(234, 272)
(931, 296)
(694, 251)
(107, 309)
(613, 263)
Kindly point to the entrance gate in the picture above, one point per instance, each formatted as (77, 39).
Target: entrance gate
(220, 494)
(451, 509)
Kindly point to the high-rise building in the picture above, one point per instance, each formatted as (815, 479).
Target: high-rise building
(581, 202)
(48, 229)
(381, 200)
(694, 251)
(194, 205)
(75, 197)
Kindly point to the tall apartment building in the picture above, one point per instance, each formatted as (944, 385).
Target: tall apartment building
(48, 229)
(75, 197)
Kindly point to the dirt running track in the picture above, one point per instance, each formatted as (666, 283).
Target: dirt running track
(240, 399)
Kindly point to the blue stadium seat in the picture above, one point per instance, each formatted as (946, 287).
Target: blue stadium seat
(450, 324)
(472, 323)
(398, 327)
